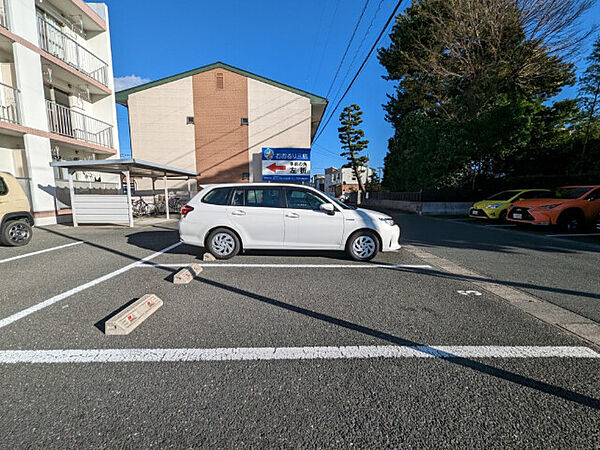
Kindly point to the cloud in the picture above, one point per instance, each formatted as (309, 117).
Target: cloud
(129, 81)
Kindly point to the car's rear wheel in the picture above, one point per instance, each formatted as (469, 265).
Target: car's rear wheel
(362, 246)
(16, 233)
(570, 222)
(223, 243)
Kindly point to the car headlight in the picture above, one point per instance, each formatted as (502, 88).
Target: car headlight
(387, 220)
(494, 206)
(550, 206)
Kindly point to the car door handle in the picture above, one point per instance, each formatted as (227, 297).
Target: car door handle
(292, 215)
(238, 213)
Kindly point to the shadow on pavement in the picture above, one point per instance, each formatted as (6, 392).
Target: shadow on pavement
(503, 374)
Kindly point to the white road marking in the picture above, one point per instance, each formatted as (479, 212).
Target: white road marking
(469, 293)
(40, 252)
(573, 235)
(57, 298)
(301, 266)
(288, 353)
(500, 225)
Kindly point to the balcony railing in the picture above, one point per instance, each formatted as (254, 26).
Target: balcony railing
(4, 15)
(68, 122)
(9, 104)
(57, 43)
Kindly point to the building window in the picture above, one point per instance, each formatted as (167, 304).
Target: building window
(220, 83)
(244, 121)
(189, 120)
(246, 176)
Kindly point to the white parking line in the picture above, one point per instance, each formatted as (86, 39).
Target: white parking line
(40, 252)
(299, 266)
(573, 235)
(501, 225)
(24, 313)
(288, 353)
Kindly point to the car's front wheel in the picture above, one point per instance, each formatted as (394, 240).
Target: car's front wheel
(362, 246)
(223, 243)
(15, 233)
(570, 222)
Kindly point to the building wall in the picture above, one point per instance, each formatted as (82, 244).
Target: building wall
(158, 128)
(28, 147)
(221, 142)
(221, 148)
(277, 118)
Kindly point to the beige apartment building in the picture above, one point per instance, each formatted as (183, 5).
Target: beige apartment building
(216, 119)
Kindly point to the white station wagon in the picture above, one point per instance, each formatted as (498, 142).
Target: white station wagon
(226, 218)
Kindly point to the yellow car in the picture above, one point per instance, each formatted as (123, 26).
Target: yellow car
(496, 207)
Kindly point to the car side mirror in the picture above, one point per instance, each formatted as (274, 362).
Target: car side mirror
(328, 208)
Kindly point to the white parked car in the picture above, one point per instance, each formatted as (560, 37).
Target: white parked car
(225, 218)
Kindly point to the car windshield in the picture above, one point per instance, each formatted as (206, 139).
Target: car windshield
(337, 202)
(505, 195)
(564, 192)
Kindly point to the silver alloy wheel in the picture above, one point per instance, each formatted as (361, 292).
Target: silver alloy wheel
(18, 233)
(223, 244)
(363, 246)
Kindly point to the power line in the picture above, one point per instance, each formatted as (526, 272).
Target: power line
(358, 50)
(318, 72)
(360, 68)
(337, 72)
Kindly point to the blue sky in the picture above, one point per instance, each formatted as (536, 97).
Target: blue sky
(296, 43)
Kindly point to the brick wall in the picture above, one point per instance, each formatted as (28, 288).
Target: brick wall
(221, 142)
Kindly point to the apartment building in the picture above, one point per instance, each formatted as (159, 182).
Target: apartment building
(216, 119)
(56, 95)
(339, 182)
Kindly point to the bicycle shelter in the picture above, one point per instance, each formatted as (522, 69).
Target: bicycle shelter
(96, 208)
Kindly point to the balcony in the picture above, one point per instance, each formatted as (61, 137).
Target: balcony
(65, 48)
(68, 122)
(9, 104)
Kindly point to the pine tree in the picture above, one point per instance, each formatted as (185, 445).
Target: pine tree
(351, 138)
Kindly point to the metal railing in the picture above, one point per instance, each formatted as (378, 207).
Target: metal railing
(57, 43)
(68, 122)
(4, 15)
(9, 104)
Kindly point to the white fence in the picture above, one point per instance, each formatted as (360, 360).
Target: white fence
(92, 208)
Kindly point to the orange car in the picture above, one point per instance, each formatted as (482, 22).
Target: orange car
(569, 207)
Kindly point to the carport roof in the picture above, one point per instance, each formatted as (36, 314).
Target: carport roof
(136, 167)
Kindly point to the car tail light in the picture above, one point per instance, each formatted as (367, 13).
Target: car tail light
(186, 209)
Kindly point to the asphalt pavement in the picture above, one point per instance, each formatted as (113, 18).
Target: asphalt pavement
(391, 353)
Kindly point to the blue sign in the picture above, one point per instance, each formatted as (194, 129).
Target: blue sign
(286, 164)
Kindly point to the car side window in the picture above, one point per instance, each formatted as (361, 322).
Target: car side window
(266, 198)
(533, 194)
(217, 196)
(301, 199)
(595, 195)
(237, 198)
(3, 187)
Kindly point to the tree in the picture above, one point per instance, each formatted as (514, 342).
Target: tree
(351, 138)
(473, 74)
(589, 96)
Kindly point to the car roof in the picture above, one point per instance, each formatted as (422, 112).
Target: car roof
(207, 186)
(582, 186)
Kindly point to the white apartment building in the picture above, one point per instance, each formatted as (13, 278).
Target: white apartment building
(56, 96)
(342, 181)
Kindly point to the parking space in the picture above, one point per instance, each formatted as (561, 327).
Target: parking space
(286, 349)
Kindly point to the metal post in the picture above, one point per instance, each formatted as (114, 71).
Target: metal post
(166, 196)
(189, 189)
(129, 204)
(72, 198)
(154, 194)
